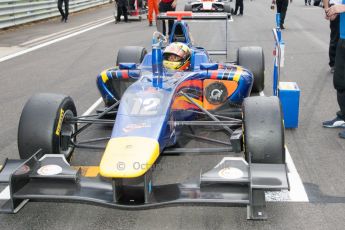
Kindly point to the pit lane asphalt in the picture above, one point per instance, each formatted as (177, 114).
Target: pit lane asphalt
(70, 67)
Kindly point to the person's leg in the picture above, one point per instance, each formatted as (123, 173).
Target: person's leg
(59, 4)
(341, 103)
(66, 2)
(334, 37)
(339, 77)
(155, 8)
(241, 7)
(284, 7)
(236, 7)
(279, 6)
(339, 85)
(339, 81)
(119, 12)
(149, 15)
(125, 13)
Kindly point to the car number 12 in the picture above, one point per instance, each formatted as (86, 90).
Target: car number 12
(147, 106)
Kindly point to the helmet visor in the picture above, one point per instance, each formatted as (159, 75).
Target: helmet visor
(172, 57)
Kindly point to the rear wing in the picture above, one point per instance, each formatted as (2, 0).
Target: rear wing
(187, 15)
(181, 16)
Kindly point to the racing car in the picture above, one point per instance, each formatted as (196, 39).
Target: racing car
(152, 112)
(209, 6)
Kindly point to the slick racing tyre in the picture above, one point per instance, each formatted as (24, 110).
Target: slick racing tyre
(188, 7)
(252, 58)
(228, 9)
(132, 54)
(42, 125)
(263, 130)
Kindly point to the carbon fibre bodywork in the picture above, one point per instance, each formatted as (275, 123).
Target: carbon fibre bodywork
(147, 119)
(173, 84)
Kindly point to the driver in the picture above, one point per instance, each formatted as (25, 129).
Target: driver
(176, 56)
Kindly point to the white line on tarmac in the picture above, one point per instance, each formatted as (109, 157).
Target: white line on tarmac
(64, 32)
(52, 42)
(297, 192)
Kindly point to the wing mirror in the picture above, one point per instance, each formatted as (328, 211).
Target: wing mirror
(127, 66)
(208, 66)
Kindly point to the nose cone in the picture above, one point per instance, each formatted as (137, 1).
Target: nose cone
(129, 157)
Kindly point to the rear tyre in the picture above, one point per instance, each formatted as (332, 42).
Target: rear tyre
(253, 59)
(263, 130)
(133, 54)
(129, 54)
(188, 7)
(42, 125)
(228, 9)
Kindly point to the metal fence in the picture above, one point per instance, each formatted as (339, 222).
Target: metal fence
(16, 12)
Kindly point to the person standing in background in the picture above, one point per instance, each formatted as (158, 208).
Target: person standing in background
(334, 36)
(339, 70)
(121, 10)
(64, 15)
(282, 6)
(239, 5)
(165, 6)
(153, 6)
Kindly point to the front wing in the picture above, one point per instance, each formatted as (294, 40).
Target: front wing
(232, 182)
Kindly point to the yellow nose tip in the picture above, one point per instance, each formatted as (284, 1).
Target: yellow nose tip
(129, 157)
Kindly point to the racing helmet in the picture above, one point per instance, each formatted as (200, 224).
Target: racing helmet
(176, 56)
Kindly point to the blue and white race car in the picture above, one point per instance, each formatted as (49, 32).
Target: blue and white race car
(154, 107)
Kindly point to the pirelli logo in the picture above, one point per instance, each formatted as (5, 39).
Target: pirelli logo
(58, 128)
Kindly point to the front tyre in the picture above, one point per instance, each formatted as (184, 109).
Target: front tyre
(43, 125)
(263, 130)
